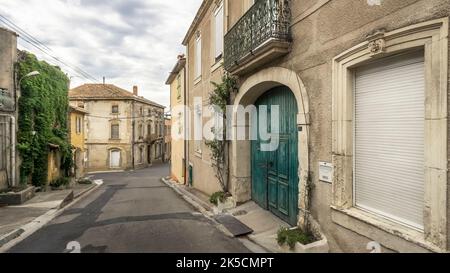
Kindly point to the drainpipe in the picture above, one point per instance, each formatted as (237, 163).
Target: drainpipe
(13, 148)
(185, 117)
(133, 135)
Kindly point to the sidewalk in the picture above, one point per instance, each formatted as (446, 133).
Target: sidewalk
(264, 224)
(17, 220)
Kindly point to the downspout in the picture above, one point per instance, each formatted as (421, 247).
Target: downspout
(13, 148)
(13, 151)
(186, 132)
(185, 117)
(133, 134)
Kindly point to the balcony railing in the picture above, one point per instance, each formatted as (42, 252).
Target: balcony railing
(152, 138)
(265, 22)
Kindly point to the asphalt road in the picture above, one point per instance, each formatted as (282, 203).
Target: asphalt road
(133, 212)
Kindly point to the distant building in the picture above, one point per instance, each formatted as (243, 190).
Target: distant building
(77, 139)
(176, 81)
(123, 131)
(167, 140)
(9, 95)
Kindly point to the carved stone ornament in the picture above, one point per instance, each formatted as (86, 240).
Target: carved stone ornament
(377, 44)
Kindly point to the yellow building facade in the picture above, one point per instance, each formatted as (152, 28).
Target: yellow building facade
(176, 81)
(77, 138)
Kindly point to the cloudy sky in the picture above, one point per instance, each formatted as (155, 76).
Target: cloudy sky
(130, 42)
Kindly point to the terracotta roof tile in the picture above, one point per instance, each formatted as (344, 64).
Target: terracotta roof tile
(105, 91)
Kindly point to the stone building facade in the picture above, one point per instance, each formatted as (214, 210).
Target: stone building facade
(123, 130)
(9, 95)
(365, 145)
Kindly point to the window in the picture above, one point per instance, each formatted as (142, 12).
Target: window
(198, 57)
(141, 155)
(4, 143)
(179, 87)
(141, 131)
(115, 133)
(218, 31)
(78, 125)
(393, 126)
(141, 111)
(389, 139)
(115, 109)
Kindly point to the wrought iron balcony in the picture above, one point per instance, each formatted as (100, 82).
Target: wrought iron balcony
(261, 35)
(152, 138)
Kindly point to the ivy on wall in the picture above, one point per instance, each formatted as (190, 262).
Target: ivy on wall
(43, 108)
(220, 98)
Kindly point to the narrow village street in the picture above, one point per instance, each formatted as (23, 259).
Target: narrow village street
(132, 212)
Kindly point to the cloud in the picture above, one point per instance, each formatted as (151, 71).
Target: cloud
(133, 42)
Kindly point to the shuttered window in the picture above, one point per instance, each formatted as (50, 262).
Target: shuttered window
(198, 57)
(389, 139)
(115, 133)
(218, 22)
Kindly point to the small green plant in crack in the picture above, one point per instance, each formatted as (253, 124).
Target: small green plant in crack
(218, 197)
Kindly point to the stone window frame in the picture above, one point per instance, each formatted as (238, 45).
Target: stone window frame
(114, 123)
(113, 109)
(432, 37)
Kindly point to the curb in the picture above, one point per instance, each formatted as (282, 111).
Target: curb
(189, 197)
(196, 203)
(15, 237)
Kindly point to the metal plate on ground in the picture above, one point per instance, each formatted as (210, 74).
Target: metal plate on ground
(233, 225)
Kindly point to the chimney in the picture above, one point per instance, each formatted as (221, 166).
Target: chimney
(135, 90)
(104, 80)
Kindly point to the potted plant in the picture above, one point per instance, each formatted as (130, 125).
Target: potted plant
(222, 201)
(295, 240)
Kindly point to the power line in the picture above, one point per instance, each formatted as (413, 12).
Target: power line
(30, 39)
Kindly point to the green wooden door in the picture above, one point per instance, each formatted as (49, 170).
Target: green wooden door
(275, 173)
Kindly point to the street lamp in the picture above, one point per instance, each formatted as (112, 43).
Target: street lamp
(31, 74)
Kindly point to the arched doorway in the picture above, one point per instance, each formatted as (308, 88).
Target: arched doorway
(275, 171)
(115, 159)
(252, 89)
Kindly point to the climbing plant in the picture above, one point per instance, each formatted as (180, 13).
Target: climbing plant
(43, 108)
(220, 98)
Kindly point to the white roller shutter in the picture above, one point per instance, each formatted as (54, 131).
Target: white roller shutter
(389, 139)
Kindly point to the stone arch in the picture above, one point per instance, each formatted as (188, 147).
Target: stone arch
(251, 89)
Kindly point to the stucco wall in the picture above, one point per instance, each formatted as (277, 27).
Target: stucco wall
(178, 127)
(77, 138)
(204, 176)
(322, 30)
(8, 58)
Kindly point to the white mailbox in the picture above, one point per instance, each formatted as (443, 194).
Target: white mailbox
(326, 172)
